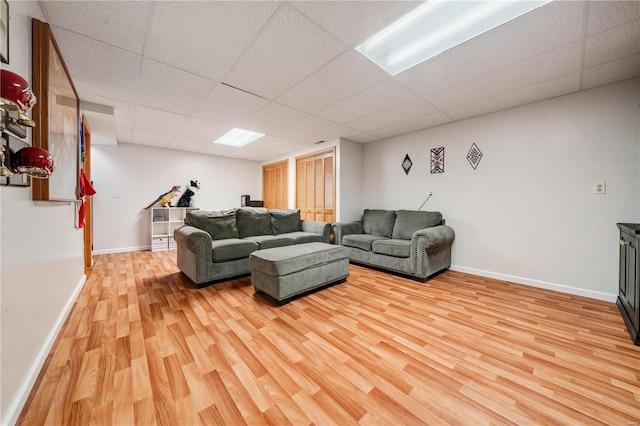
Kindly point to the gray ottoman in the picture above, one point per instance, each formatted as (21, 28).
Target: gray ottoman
(285, 272)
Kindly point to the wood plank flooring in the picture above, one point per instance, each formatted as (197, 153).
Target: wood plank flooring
(142, 346)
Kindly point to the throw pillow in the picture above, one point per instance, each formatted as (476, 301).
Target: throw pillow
(253, 221)
(408, 222)
(378, 222)
(219, 224)
(284, 221)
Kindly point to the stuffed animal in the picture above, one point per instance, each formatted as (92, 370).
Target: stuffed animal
(164, 199)
(189, 196)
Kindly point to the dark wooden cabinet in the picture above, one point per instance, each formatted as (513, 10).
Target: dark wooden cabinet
(628, 300)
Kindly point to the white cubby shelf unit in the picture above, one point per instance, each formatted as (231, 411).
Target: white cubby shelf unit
(165, 220)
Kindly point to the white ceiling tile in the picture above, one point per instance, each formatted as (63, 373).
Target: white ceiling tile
(270, 118)
(124, 134)
(188, 144)
(610, 72)
(289, 49)
(544, 90)
(172, 89)
(217, 149)
(544, 29)
(99, 68)
(305, 127)
(604, 15)
(354, 21)
(396, 114)
(142, 137)
(331, 134)
(363, 138)
(123, 111)
(204, 38)
(376, 98)
(118, 23)
(415, 124)
(226, 105)
(158, 121)
(547, 66)
(613, 44)
(344, 76)
(203, 130)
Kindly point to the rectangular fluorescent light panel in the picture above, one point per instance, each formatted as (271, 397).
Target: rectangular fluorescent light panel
(238, 137)
(437, 26)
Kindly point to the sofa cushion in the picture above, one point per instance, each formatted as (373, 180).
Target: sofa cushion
(231, 249)
(409, 221)
(395, 248)
(302, 237)
(271, 241)
(220, 224)
(283, 221)
(253, 221)
(361, 241)
(378, 222)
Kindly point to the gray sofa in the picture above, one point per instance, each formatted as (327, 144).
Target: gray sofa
(412, 243)
(215, 245)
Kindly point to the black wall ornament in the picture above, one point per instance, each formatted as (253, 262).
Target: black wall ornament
(406, 164)
(474, 156)
(437, 160)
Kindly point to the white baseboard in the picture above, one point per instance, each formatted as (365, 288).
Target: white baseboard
(536, 283)
(32, 375)
(121, 250)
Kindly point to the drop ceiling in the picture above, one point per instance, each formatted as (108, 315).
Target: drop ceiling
(179, 74)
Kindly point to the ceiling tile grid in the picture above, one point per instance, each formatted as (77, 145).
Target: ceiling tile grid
(414, 108)
(344, 76)
(112, 22)
(99, 68)
(561, 61)
(383, 95)
(290, 48)
(227, 105)
(534, 93)
(415, 124)
(615, 43)
(205, 38)
(181, 73)
(172, 89)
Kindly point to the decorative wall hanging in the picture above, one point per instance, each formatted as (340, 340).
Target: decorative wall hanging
(406, 164)
(437, 160)
(4, 31)
(474, 156)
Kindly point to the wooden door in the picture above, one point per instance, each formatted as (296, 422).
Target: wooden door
(275, 185)
(86, 166)
(315, 186)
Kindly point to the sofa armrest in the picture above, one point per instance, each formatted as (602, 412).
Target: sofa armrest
(194, 239)
(322, 228)
(346, 228)
(434, 238)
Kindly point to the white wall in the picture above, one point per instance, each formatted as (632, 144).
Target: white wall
(41, 256)
(350, 165)
(141, 173)
(527, 213)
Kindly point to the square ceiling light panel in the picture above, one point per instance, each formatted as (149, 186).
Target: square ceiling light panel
(238, 137)
(437, 26)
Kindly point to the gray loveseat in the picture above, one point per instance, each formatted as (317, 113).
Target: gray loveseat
(412, 243)
(215, 245)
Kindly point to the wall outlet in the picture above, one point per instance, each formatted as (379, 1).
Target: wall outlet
(115, 194)
(600, 188)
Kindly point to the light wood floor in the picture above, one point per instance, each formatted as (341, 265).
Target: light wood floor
(142, 346)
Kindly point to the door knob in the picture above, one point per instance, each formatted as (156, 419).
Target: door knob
(624, 243)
